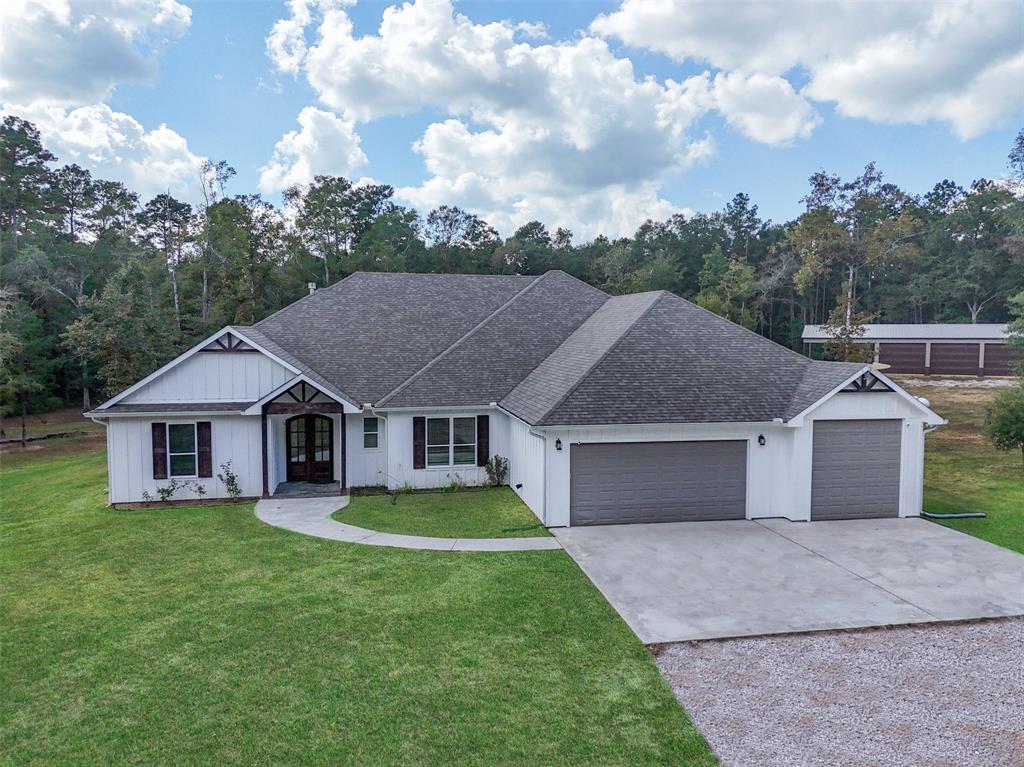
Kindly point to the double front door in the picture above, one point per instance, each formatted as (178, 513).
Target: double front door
(310, 448)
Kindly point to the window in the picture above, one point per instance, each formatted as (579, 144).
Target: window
(371, 433)
(438, 441)
(464, 442)
(181, 449)
(451, 441)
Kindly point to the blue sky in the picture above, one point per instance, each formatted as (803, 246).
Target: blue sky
(215, 87)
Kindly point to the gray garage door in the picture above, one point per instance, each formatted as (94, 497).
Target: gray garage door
(856, 469)
(622, 483)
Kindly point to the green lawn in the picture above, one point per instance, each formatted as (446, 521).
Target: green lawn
(963, 472)
(489, 513)
(201, 636)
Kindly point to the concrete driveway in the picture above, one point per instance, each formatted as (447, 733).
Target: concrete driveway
(709, 580)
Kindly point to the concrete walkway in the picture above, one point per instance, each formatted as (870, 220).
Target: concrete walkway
(312, 516)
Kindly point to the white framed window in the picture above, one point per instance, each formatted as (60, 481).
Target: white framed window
(451, 441)
(181, 450)
(371, 433)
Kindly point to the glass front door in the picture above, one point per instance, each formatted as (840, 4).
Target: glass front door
(310, 448)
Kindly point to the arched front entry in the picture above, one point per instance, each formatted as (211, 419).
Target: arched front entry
(310, 448)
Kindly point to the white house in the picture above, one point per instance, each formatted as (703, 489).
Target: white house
(636, 408)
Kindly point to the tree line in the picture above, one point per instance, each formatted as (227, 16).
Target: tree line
(100, 287)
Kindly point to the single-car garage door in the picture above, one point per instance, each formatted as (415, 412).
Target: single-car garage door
(855, 469)
(623, 483)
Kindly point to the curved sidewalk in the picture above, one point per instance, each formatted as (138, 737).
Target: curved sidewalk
(312, 516)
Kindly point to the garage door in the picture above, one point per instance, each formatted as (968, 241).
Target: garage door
(623, 483)
(855, 470)
(1000, 360)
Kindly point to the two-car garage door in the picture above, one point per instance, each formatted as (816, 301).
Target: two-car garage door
(623, 483)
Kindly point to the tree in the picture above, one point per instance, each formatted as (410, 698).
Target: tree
(126, 330)
(163, 225)
(459, 241)
(1004, 419)
(713, 270)
(26, 370)
(845, 328)
(24, 180)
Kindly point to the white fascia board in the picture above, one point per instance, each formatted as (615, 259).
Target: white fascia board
(588, 426)
(257, 407)
(99, 415)
(435, 408)
(184, 356)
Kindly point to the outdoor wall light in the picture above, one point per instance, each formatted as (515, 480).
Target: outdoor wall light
(558, 444)
(761, 440)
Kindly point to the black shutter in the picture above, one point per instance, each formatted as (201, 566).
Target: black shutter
(419, 442)
(159, 450)
(204, 448)
(483, 440)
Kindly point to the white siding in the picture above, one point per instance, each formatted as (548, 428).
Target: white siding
(215, 377)
(367, 467)
(526, 465)
(130, 457)
(399, 451)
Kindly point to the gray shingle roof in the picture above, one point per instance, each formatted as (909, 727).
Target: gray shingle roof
(488, 362)
(370, 332)
(556, 376)
(678, 363)
(552, 350)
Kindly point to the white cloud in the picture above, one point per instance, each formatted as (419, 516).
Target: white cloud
(764, 107)
(59, 60)
(535, 125)
(75, 53)
(113, 145)
(894, 62)
(324, 144)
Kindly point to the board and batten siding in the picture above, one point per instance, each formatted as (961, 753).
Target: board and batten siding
(130, 457)
(215, 377)
(399, 451)
(367, 467)
(526, 465)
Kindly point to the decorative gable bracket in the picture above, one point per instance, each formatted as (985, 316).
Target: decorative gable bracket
(866, 382)
(227, 342)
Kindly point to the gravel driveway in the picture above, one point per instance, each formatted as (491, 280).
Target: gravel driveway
(920, 696)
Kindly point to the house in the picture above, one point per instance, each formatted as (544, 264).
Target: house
(609, 409)
(938, 349)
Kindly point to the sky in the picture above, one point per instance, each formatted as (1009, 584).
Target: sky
(590, 115)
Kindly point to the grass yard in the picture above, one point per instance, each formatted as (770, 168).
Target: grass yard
(201, 636)
(489, 513)
(963, 472)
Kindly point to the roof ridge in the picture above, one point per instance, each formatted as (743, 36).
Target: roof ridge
(611, 347)
(736, 324)
(465, 336)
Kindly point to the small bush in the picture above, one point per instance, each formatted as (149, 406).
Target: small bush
(455, 484)
(497, 470)
(230, 480)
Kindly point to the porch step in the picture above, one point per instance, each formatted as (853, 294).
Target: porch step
(307, 489)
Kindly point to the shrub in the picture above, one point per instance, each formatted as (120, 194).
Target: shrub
(1004, 419)
(455, 484)
(497, 470)
(230, 480)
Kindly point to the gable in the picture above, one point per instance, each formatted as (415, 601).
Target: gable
(209, 377)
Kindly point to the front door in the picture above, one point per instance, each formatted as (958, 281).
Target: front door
(310, 448)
